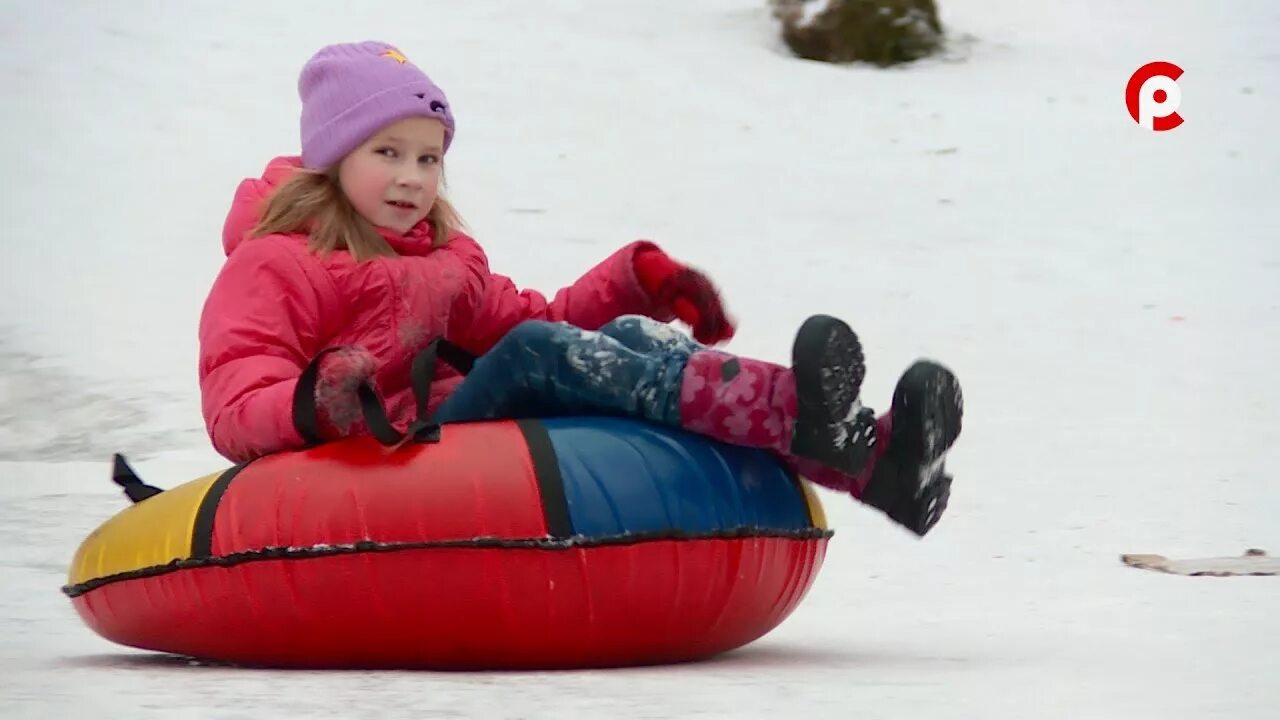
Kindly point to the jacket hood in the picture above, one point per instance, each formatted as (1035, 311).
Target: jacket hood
(250, 200)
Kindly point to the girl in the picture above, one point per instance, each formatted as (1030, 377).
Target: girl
(345, 263)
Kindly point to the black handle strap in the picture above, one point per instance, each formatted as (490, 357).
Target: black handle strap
(424, 429)
(456, 357)
(421, 375)
(125, 477)
(305, 419)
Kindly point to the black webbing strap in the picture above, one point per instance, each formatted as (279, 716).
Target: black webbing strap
(454, 356)
(125, 477)
(423, 429)
(422, 373)
(305, 419)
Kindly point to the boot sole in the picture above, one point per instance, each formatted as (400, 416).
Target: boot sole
(933, 503)
(928, 408)
(828, 365)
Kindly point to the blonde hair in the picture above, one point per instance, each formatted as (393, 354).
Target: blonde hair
(312, 201)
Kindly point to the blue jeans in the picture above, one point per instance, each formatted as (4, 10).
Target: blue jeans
(631, 367)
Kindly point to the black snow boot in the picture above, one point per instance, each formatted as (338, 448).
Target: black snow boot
(831, 426)
(909, 482)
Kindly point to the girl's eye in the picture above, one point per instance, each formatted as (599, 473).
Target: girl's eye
(429, 159)
(386, 152)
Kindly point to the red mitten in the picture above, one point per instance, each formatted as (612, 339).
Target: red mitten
(686, 292)
(338, 376)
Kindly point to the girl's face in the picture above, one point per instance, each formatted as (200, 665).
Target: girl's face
(392, 179)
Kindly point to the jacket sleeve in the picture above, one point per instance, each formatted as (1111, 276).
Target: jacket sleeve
(491, 304)
(258, 330)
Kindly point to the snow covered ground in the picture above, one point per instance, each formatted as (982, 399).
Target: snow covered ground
(1110, 298)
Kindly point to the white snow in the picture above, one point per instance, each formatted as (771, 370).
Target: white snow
(1108, 296)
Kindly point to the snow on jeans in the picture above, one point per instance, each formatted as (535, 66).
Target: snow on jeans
(631, 367)
(634, 367)
(637, 367)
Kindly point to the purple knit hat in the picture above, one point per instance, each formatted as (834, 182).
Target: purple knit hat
(351, 91)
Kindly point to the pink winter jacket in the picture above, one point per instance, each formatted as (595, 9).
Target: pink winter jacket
(275, 305)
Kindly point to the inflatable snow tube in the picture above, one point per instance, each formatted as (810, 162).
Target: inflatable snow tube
(579, 542)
